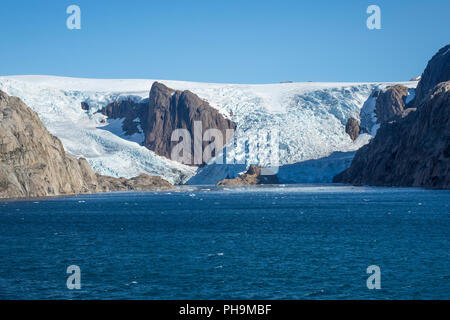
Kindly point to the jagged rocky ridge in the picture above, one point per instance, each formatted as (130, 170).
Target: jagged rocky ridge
(34, 163)
(174, 109)
(436, 71)
(413, 149)
(383, 105)
(165, 111)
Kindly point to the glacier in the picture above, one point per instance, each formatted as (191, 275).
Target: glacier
(309, 118)
(82, 134)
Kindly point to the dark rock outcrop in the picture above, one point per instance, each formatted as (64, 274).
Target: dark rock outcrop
(390, 102)
(413, 148)
(85, 106)
(410, 151)
(172, 109)
(352, 128)
(132, 112)
(253, 176)
(437, 70)
(33, 162)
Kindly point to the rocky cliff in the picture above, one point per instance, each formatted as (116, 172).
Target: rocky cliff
(132, 112)
(166, 111)
(33, 163)
(413, 147)
(390, 103)
(352, 128)
(437, 70)
(253, 176)
(410, 151)
(173, 109)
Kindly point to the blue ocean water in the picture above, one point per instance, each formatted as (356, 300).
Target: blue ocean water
(291, 242)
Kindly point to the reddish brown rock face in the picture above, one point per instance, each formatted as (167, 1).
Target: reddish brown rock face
(166, 111)
(390, 103)
(169, 110)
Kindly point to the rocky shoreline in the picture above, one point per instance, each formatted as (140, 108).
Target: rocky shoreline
(34, 163)
(411, 147)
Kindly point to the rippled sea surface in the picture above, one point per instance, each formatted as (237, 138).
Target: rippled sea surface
(296, 242)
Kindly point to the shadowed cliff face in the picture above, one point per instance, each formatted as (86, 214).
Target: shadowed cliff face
(410, 151)
(169, 110)
(33, 162)
(413, 147)
(132, 112)
(437, 70)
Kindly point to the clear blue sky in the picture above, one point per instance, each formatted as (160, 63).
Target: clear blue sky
(232, 41)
